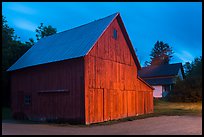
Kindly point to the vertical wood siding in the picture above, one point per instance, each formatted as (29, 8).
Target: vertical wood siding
(112, 89)
(65, 75)
(101, 86)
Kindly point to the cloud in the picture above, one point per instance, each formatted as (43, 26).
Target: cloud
(17, 7)
(25, 24)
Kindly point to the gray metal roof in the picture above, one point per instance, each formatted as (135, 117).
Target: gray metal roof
(73, 43)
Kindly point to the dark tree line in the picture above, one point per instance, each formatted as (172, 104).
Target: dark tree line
(13, 49)
(189, 89)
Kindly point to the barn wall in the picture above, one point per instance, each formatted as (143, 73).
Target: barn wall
(146, 98)
(112, 90)
(40, 81)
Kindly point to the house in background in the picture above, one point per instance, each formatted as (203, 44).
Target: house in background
(162, 77)
(87, 74)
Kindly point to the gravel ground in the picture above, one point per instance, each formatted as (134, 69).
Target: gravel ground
(163, 125)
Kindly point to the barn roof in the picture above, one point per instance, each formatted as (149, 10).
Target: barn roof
(73, 43)
(160, 70)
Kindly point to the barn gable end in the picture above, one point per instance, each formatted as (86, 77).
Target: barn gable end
(112, 89)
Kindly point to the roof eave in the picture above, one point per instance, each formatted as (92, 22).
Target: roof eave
(129, 42)
(145, 82)
(101, 34)
(163, 76)
(126, 37)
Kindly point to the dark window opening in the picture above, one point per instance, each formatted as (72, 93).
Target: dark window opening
(115, 35)
(166, 88)
(55, 91)
(27, 100)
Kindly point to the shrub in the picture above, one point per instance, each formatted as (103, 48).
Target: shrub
(189, 89)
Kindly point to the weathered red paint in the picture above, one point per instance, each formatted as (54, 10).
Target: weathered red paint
(112, 88)
(40, 81)
(99, 87)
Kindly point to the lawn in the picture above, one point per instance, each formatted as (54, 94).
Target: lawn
(179, 108)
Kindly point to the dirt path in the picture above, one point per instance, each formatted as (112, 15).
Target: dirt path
(163, 125)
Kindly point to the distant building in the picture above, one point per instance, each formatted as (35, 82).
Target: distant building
(87, 74)
(162, 77)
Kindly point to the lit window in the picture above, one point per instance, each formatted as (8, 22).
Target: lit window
(115, 35)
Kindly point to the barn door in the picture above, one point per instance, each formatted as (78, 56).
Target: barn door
(146, 102)
(107, 104)
(96, 105)
(141, 101)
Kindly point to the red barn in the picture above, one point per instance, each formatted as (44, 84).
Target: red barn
(87, 74)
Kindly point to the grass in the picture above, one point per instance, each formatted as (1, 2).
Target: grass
(177, 108)
(160, 108)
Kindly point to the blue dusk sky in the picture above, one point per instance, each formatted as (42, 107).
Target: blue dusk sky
(178, 24)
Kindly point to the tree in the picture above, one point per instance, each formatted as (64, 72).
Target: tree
(187, 67)
(161, 53)
(189, 89)
(8, 34)
(146, 63)
(12, 47)
(12, 50)
(30, 42)
(195, 70)
(43, 31)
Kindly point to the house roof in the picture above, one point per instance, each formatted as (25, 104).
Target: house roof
(73, 43)
(161, 81)
(160, 70)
